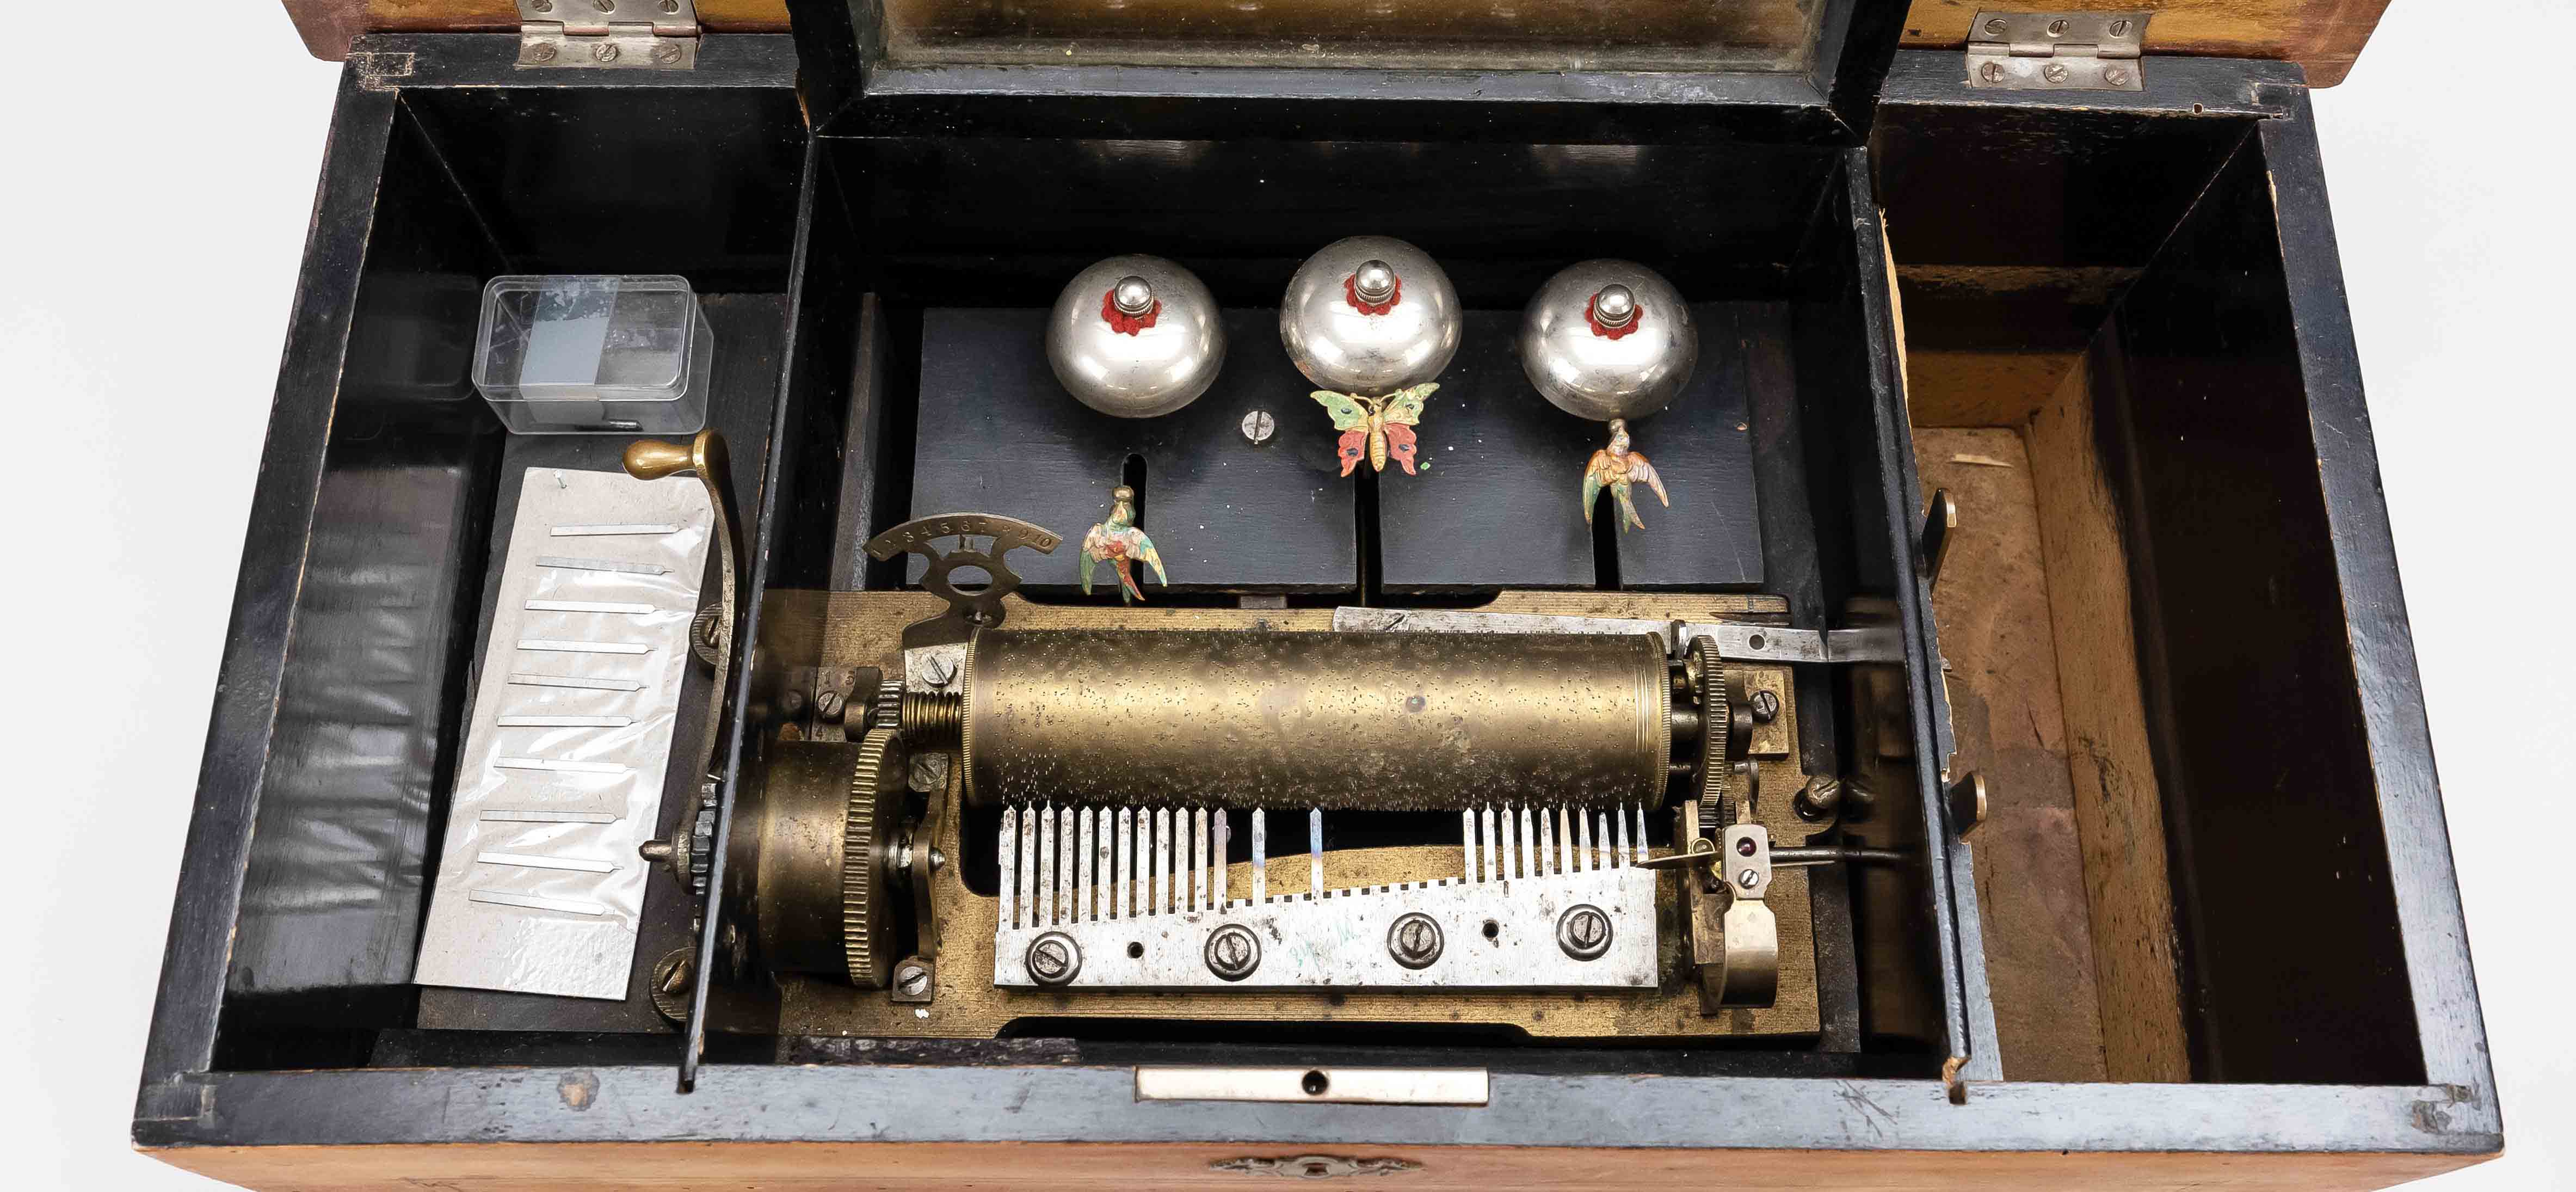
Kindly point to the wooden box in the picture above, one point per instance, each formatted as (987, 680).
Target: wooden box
(2207, 933)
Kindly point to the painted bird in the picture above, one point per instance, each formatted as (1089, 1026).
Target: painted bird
(1118, 540)
(1619, 468)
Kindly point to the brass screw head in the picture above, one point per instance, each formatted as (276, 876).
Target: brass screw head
(2117, 76)
(541, 52)
(604, 52)
(2054, 72)
(666, 52)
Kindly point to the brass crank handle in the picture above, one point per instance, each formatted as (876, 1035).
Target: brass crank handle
(654, 459)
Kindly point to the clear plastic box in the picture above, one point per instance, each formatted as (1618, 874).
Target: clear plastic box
(594, 354)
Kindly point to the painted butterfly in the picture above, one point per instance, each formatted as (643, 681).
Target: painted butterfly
(1381, 428)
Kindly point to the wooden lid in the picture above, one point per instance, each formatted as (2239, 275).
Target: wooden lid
(2325, 36)
(2322, 35)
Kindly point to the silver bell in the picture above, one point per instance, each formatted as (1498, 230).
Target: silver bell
(1608, 339)
(1369, 315)
(1135, 337)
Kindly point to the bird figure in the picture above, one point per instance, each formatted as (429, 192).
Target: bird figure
(1619, 468)
(1117, 540)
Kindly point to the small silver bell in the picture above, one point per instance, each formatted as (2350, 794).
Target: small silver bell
(1368, 316)
(1610, 341)
(1135, 337)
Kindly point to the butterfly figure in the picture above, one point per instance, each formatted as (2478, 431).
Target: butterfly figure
(1118, 541)
(1618, 467)
(1381, 428)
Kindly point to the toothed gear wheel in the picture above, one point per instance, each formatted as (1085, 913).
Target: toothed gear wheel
(1721, 738)
(888, 712)
(868, 874)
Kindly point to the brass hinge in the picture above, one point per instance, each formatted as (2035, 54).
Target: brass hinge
(639, 34)
(2057, 51)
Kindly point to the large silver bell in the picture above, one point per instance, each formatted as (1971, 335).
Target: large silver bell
(1135, 337)
(1608, 339)
(1369, 315)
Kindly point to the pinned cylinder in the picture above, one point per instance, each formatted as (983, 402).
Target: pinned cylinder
(1343, 721)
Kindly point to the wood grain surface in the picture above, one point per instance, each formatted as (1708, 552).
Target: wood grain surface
(2325, 36)
(1130, 1167)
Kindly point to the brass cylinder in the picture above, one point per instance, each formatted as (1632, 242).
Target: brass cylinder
(1373, 721)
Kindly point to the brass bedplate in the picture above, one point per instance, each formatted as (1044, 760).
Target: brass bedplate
(867, 630)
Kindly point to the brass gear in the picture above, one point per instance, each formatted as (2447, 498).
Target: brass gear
(1725, 735)
(868, 872)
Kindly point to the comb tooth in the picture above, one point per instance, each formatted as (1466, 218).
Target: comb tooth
(1219, 834)
(1197, 859)
(1529, 844)
(1315, 852)
(1260, 856)
(1028, 867)
(1619, 851)
(1467, 844)
(1511, 854)
(1600, 842)
(1640, 810)
(1485, 843)
(1121, 900)
(1154, 864)
(1009, 844)
(1069, 866)
(1084, 909)
(1583, 841)
(1564, 840)
(1103, 879)
(1547, 841)
(1046, 865)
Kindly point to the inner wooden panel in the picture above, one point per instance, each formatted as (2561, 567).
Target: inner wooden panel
(2039, 646)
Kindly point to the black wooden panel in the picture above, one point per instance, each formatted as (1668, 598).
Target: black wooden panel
(998, 434)
(2247, 661)
(1500, 500)
(1702, 445)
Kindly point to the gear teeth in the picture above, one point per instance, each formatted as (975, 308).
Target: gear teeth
(879, 771)
(1716, 722)
(887, 711)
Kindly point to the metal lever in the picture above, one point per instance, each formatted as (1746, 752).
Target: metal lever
(1940, 517)
(654, 459)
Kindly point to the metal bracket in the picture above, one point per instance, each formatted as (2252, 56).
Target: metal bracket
(626, 34)
(2057, 51)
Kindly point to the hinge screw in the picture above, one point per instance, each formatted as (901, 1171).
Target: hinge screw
(2054, 72)
(2117, 76)
(2057, 28)
(666, 52)
(2120, 28)
(604, 5)
(671, 6)
(1992, 72)
(1996, 26)
(541, 52)
(604, 52)
(545, 5)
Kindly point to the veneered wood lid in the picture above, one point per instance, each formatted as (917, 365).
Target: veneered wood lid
(2322, 35)
(327, 25)
(2325, 36)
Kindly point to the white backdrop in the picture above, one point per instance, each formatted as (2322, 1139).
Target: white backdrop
(151, 221)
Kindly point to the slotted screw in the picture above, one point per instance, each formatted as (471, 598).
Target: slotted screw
(666, 52)
(1584, 932)
(1414, 941)
(604, 52)
(1053, 959)
(1996, 26)
(1232, 953)
(2054, 72)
